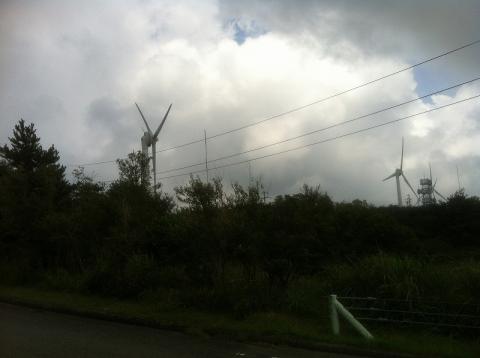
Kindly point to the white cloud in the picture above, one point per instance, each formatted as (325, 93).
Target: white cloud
(75, 70)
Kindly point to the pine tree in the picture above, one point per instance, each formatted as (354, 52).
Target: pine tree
(33, 191)
(26, 152)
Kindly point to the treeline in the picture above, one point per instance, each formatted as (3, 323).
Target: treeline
(218, 249)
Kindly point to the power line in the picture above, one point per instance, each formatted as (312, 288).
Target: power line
(303, 106)
(325, 98)
(91, 163)
(346, 91)
(326, 140)
(322, 129)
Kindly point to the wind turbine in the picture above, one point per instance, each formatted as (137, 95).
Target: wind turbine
(397, 174)
(150, 139)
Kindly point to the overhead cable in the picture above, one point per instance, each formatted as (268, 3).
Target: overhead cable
(303, 106)
(326, 140)
(321, 129)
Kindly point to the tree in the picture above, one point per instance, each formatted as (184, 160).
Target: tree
(39, 167)
(131, 199)
(203, 229)
(462, 219)
(134, 169)
(88, 221)
(201, 196)
(33, 188)
(26, 152)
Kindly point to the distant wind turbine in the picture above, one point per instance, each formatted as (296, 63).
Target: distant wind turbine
(150, 139)
(397, 174)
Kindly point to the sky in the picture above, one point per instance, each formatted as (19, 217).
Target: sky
(75, 69)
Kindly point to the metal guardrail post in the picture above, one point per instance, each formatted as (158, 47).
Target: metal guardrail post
(335, 308)
(334, 315)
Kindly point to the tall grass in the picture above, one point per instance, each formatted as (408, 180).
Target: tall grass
(405, 278)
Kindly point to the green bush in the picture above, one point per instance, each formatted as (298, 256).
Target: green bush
(140, 274)
(465, 277)
(238, 297)
(405, 278)
(105, 277)
(307, 296)
(378, 275)
(63, 280)
(16, 273)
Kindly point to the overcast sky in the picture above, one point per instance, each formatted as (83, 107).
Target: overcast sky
(75, 69)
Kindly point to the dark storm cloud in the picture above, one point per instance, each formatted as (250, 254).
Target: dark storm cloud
(377, 26)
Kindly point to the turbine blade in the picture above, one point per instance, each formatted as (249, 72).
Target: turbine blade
(391, 176)
(440, 195)
(435, 184)
(143, 117)
(163, 121)
(401, 159)
(406, 181)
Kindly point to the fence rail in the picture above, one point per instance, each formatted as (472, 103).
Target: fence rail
(419, 313)
(408, 322)
(408, 312)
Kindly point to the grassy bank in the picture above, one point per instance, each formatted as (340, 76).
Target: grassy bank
(272, 327)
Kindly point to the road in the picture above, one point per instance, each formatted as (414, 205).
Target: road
(27, 332)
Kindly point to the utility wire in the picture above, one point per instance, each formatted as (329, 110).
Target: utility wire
(303, 106)
(325, 98)
(344, 91)
(321, 129)
(91, 163)
(326, 140)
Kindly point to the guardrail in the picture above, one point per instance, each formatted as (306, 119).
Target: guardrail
(335, 308)
(438, 315)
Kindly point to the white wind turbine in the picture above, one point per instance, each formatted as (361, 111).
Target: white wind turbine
(150, 139)
(397, 174)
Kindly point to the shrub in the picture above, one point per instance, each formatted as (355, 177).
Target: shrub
(63, 280)
(378, 275)
(140, 274)
(16, 273)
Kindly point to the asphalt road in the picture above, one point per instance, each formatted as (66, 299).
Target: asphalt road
(27, 332)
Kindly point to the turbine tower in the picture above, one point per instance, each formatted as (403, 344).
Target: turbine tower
(150, 139)
(397, 174)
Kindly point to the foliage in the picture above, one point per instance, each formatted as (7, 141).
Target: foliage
(32, 190)
(221, 248)
(134, 169)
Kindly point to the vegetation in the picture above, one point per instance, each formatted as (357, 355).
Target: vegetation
(224, 251)
(272, 327)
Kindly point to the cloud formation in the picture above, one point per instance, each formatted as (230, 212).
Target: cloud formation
(75, 70)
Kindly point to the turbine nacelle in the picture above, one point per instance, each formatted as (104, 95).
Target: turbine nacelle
(147, 139)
